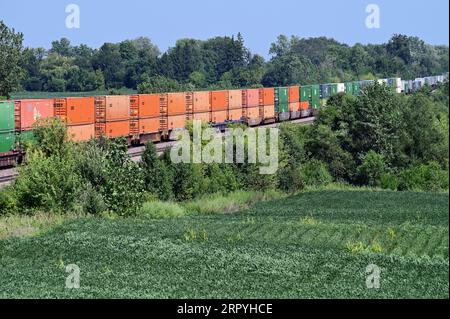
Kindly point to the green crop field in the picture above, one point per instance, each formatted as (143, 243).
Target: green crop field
(316, 244)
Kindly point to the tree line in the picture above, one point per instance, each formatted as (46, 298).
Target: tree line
(219, 62)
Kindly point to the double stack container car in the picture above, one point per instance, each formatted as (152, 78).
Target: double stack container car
(153, 117)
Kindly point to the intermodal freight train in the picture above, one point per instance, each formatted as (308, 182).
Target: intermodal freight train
(152, 117)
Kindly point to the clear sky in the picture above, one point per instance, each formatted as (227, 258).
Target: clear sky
(260, 22)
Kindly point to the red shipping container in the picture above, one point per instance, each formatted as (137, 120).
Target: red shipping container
(251, 97)
(219, 100)
(294, 94)
(31, 111)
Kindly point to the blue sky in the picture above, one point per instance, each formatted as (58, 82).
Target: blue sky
(260, 22)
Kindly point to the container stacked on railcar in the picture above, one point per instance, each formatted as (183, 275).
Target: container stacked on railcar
(152, 117)
(294, 102)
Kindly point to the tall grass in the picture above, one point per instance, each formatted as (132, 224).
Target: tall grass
(207, 205)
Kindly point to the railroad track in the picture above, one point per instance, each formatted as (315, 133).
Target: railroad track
(7, 176)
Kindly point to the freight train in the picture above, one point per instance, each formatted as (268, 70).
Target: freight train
(152, 117)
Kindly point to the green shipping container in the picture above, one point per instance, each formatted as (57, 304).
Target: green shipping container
(7, 141)
(315, 96)
(348, 88)
(333, 89)
(6, 116)
(282, 108)
(305, 93)
(281, 95)
(356, 88)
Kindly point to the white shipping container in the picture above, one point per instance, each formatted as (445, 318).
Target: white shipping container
(340, 87)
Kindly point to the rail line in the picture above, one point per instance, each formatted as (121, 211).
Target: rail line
(7, 176)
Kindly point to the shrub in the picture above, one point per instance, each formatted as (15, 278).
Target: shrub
(389, 181)
(315, 173)
(371, 169)
(290, 179)
(425, 177)
(106, 167)
(157, 174)
(158, 210)
(51, 137)
(48, 183)
(8, 201)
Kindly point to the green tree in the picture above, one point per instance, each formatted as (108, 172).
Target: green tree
(10, 59)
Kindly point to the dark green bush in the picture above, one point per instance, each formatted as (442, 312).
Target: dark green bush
(157, 174)
(290, 179)
(389, 181)
(315, 173)
(105, 165)
(47, 183)
(371, 169)
(8, 201)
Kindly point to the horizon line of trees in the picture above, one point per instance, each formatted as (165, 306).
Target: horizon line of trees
(219, 62)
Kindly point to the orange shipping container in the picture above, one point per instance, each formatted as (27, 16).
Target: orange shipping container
(268, 96)
(117, 129)
(31, 111)
(149, 125)
(176, 122)
(176, 103)
(235, 98)
(219, 116)
(304, 105)
(149, 105)
(294, 107)
(75, 110)
(253, 112)
(235, 114)
(269, 112)
(251, 97)
(294, 94)
(219, 100)
(205, 117)
(117, 107)
(81, 133)
(202, 102)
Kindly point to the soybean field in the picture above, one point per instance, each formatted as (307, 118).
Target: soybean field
(317, 244)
